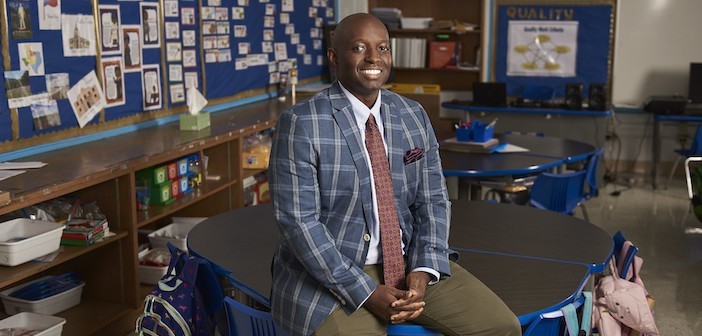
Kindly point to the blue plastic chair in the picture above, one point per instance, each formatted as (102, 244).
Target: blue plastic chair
(408, 329)
(619, 240)
(558, 192)
(551, 323)
(591, 175)
(694, 150)
(243, 320)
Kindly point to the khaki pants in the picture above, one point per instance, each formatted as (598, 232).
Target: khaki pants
(459, 305)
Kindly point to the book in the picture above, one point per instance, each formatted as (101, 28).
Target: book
(454, 145)
(82, 242)
(82, 225)
(83, 235)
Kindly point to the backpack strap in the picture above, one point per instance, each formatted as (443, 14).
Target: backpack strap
(571, 317)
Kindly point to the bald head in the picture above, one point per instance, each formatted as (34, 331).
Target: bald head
(360, 54)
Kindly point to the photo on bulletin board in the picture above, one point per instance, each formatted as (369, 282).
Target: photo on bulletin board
(151, 86)
(20, 19)
(49, 14)
(45, 114)
(87, 98)
(111, 44)
(131, 36)
(150, 27)
(78, 34)
(17, 87)
(57, 85)
(31, 57)
(112, 81)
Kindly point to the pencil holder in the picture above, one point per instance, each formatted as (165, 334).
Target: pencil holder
(482, 134)
(464, 134)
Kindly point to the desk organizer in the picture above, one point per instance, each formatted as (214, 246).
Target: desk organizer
(23, 239)
(48, 306)
(41, 325)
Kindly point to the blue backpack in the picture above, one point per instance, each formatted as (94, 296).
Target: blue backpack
(175, 306)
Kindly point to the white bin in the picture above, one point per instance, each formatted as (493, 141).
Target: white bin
(23, 239)
(42, 325)
(175, 233)
(47, 306)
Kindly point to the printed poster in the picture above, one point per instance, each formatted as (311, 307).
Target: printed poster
(45, 113)
(131, 36)
(78, 33)
(542, 48)
(17, 87)
(150, 25)
(57, 85)
(109, 28)
(20, 19)
(113, 83)
(31, 56)
(49, 14)
(87, 98)
(151, 87)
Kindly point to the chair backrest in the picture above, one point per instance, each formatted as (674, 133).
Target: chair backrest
(246, 321)
(623, 261)
(408, 329)
(551, 323)
(558, 192)
(591, 175)
(696, 147)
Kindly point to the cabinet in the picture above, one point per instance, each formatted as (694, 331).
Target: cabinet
(461, 10)
(104, 171)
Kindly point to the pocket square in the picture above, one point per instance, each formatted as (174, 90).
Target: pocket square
(413, 155)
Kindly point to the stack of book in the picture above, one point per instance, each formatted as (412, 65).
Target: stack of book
(84, 232)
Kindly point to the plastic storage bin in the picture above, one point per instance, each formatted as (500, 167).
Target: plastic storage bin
(48, 306)
(415, 22)
(23, 239)
(151, 274)
(175, 233)
(42, 325)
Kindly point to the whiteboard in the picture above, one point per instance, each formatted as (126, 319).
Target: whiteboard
(656, 40)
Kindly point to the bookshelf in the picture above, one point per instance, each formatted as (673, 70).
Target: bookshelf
(469, 11)
(104, 171)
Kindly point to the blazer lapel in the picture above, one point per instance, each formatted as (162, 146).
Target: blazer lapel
(344, 116)
(394, 134)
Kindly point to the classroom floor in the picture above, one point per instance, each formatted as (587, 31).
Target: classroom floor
(670, 244)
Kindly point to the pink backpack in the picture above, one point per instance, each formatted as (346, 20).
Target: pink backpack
(621, 306)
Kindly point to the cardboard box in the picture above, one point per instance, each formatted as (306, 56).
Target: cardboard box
(189, 122)
(152, 176)
(442, 54)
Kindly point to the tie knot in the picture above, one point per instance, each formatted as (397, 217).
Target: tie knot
(371, 120)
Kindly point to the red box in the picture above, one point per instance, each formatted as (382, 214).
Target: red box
(175, 189)
(173, 170)
(442, 54)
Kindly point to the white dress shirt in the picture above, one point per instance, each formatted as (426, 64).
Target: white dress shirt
(361, 113)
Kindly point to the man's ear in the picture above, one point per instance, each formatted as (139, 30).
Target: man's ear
(331, 56)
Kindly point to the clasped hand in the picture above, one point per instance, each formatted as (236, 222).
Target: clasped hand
(397, 305)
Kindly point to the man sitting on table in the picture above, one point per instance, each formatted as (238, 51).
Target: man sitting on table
(333, 198)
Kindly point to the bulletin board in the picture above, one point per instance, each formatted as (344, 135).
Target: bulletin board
(552, 44)
(75, 67)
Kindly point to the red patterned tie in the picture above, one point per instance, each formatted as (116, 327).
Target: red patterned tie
(390, 240)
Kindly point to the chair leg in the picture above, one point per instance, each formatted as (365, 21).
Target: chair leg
(672, 171)
(585, 215)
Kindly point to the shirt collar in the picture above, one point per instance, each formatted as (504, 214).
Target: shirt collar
(361, 111)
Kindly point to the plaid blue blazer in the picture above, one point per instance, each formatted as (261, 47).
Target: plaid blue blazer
(321, 194)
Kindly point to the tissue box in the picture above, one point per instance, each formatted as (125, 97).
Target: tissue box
(189, 122)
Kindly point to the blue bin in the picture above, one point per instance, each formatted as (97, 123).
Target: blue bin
(482, 134)
(464, 134)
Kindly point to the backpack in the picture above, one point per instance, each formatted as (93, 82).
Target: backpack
(175, 305)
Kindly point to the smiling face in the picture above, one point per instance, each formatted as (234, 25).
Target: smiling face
(360, 54)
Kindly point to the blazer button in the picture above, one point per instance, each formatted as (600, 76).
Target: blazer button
(366, 237)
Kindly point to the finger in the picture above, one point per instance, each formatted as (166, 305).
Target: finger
(408, 306)
(405, 316)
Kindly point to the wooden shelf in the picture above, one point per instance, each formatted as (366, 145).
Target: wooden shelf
(433, 31)
(206, 189)
(12, 275)
(252, 172)
(89, 317)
